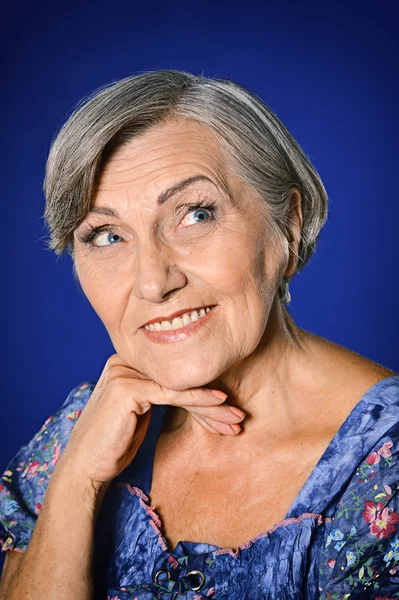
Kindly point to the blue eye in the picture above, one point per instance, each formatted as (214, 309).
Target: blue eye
(206, 213)
(203, 217)
(109, 237)
(91, 234)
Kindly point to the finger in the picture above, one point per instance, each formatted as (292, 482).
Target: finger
(223, 413)
(206, 426)
(216, 427)
(224, 428)
(200, 396)
(145, 390)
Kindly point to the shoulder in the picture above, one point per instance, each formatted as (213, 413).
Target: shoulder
(46, 445)
(343, 377)
(348, 363)
(64, 418)
(25, 480)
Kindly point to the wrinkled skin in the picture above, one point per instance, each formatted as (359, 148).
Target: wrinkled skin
(160, 259)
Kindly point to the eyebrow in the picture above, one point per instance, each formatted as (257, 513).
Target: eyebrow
(162, 198)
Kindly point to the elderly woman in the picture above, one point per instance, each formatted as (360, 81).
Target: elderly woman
(224, 452)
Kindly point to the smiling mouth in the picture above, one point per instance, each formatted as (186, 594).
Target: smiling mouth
(179, 322)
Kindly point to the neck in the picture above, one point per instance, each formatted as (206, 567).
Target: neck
(260, 384)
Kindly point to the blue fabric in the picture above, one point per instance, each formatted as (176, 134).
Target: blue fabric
(340, 538)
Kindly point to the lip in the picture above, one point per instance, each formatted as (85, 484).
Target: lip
(178, 313)
(175, 335)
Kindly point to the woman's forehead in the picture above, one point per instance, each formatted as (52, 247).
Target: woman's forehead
(181, 145)
(163, 156)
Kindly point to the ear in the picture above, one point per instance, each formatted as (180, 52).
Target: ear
(294, 227)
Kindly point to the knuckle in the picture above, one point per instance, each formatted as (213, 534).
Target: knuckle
(121, 385)
(142, 407)
(112, 361)
(115, 374)
(167, 392)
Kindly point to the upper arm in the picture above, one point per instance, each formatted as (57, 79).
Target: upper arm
(11, 565)
(24, 483)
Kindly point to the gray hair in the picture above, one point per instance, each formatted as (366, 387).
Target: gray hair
(265, 154)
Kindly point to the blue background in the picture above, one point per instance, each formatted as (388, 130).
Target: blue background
(329, 71)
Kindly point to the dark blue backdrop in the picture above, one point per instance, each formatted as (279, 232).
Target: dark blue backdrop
(330, 73)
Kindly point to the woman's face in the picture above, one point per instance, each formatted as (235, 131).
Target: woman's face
(156, 257)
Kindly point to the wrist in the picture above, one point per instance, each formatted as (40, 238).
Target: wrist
(70, 486)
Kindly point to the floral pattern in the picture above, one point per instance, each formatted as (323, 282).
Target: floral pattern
(31, 469)
(339, 540)
(367, 555)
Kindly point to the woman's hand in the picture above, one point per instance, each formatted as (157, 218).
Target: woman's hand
(113, 424)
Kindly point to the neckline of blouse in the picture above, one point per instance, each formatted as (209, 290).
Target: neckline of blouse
(332, 470)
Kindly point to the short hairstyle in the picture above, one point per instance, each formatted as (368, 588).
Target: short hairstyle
(264, 153)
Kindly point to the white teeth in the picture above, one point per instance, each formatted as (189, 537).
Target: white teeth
(178, 322)
(186, 319)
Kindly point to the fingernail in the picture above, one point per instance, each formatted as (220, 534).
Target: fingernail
(236, 428)
(237, 411)
(220, 395)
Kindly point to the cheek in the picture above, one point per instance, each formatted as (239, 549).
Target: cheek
(263, 272)
(244, 269)
(106, 289)
(227, 266)
(270, 261)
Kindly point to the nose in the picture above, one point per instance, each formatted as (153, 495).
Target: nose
(156, 274)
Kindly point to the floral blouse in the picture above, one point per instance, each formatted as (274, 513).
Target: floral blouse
(339, 540)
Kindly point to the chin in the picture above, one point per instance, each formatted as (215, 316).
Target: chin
(179, 372)
(185, 380)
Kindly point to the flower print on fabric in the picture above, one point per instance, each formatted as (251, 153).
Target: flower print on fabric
(335, 534)
(364, 561)
(338, 541)
(382, 520)
(29, 472)
(384, 451)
